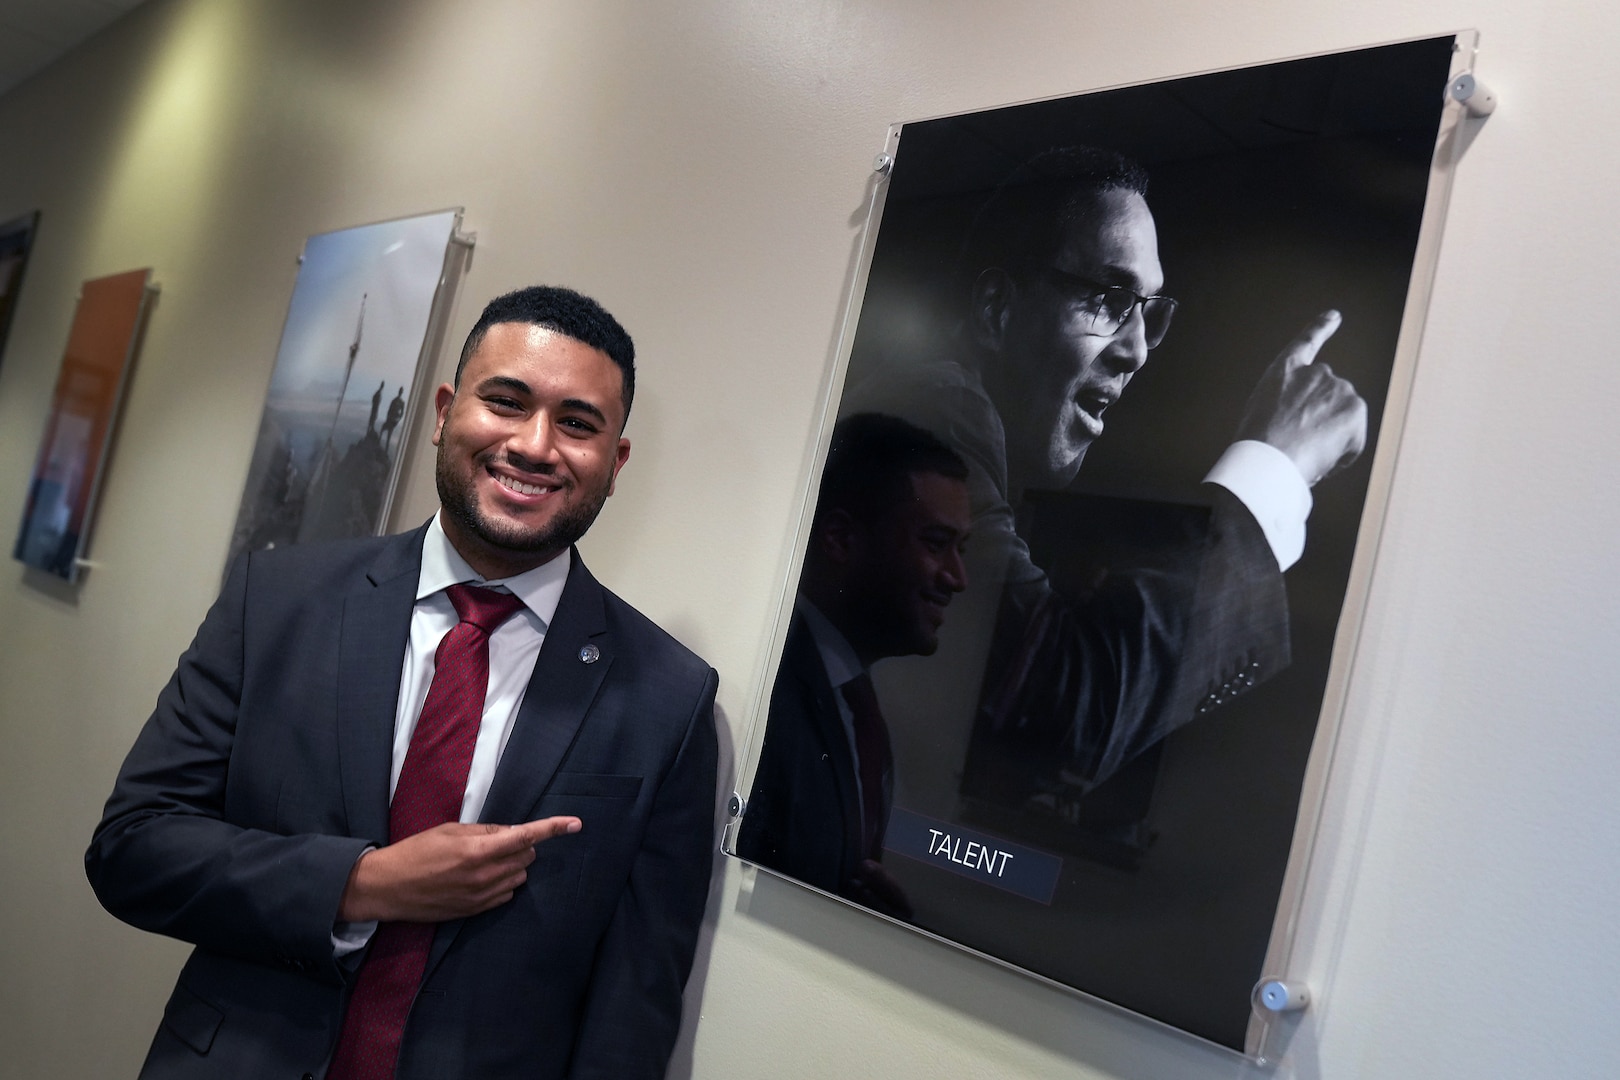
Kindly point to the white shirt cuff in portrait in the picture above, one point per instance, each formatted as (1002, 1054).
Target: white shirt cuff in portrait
(1267, 482)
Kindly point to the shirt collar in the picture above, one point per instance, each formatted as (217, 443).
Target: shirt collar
(540, 589)
(837, 654)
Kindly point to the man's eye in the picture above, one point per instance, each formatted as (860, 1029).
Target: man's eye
(1095, 307)
(504, 404)
(1118, 303)
(584, 427)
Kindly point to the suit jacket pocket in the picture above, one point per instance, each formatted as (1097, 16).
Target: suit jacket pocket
(191, 1019)
(604, 802)
(601, 785)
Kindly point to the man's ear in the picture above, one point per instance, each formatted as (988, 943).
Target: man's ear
(835, 536)
(621, 454)
(992, 299)
(442, 398)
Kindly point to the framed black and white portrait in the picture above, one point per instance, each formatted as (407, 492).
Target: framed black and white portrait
(1085, 550)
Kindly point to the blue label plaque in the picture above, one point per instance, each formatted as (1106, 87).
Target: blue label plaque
(999, 863)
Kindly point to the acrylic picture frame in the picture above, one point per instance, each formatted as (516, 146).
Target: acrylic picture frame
(108, 323)
(365, 319)
(1169, 889)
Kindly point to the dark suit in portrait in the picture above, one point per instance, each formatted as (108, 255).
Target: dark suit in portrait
(1152, 615)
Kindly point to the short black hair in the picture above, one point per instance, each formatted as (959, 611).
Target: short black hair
(1031, 211)
(566, 312)
(871, 461)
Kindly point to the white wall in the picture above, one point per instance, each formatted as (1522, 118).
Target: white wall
(702, 167)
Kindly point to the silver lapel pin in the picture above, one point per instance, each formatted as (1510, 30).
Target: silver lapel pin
(590, 654)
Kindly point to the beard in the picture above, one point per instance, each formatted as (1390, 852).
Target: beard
(458, 497)
(888, 621)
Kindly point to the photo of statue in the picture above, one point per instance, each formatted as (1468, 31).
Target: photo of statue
(327, 455)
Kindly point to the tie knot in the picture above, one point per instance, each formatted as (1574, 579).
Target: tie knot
(484, 608)
(861, 697)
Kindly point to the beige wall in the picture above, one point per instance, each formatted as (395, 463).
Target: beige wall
(702, 167)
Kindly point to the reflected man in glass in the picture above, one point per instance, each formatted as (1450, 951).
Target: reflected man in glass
(885, 560)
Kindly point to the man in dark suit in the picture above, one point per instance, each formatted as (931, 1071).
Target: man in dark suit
(411, 838)
(884, 561)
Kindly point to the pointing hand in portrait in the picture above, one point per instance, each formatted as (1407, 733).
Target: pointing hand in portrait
(1303, 409)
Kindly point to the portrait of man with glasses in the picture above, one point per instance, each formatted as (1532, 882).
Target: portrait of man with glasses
(1062, 302)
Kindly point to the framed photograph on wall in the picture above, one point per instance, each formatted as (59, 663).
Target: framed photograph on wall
(16, 241)
(360, 329)
(1060, 662)
(96, 365)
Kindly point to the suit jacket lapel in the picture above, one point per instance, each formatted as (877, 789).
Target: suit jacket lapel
(559, 694)
(828, 720)
(371, 653)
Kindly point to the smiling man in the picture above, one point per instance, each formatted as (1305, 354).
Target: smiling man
(529, 450)
(435, 804)
(884, 562)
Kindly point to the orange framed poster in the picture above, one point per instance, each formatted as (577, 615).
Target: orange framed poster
(101, 348)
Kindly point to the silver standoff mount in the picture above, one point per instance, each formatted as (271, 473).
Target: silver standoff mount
(1281, 995)
(1475, 97)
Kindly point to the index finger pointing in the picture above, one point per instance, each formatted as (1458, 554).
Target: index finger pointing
(546, 828)
(1303, 349)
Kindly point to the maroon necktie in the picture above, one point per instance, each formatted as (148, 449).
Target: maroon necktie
(431, 785)
(873, 754)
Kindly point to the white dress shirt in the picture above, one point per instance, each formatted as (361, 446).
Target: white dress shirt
(513, 649)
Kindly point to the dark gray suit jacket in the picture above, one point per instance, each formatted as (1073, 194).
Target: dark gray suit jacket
(263, 774)
(804, 814)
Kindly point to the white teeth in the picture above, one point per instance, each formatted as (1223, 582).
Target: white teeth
(519, 486)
